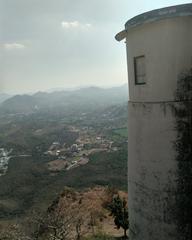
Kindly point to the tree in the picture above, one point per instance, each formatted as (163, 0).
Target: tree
(64, 220)
(119, 210)
(58, 223)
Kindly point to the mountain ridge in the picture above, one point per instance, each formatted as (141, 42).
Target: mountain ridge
(87, 97)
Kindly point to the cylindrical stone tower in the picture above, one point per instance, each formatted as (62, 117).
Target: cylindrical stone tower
(159, 53)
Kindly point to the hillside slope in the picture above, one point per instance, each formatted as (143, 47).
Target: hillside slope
(84, 213)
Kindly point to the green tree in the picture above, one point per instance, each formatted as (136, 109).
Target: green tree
(119, 211)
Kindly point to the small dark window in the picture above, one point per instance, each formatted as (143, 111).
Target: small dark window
(140, 71)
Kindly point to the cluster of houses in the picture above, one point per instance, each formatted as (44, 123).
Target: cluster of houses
(4, 160)
(59, 150)
(68, 157)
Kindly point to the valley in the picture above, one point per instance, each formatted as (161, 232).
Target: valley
(44, 151)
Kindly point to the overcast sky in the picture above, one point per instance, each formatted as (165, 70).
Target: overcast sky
(50, 44)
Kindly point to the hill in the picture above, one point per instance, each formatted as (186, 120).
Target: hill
(87, 98)
(77, 214)
(88, 209)
(3, 97)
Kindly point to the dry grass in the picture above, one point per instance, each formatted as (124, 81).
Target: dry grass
(96, 218)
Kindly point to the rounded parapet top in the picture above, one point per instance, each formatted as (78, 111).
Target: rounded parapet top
(156, 15)
(159, 14)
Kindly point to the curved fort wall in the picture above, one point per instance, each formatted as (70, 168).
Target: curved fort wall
(159, 53)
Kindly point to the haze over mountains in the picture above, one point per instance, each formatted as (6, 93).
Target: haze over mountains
(42, 101)
(4, 96)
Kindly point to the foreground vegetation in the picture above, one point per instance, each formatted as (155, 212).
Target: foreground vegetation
(73, 216)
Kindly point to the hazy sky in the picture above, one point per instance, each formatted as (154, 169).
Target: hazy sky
(47, 44)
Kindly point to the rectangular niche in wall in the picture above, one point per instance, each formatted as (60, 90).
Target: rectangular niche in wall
(140, 71)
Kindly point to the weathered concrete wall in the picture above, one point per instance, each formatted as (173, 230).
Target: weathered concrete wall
(152, 171)
(160, 131)
(167, 46)
(160, 168)
(183, 148)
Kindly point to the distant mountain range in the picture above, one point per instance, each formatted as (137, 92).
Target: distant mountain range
(3, 97)
(91, 97)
